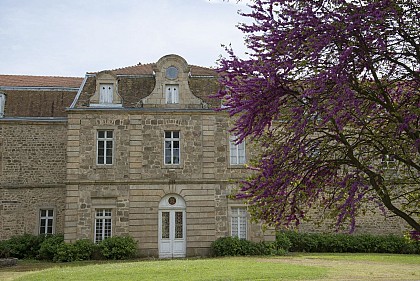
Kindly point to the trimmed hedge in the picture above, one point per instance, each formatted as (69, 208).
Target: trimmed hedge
(53, 248)
(233, 246)
(346, 243)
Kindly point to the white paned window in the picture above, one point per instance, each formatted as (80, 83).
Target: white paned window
(172, 94)
(172, 148)
(237, 152)
(46, 221)
(239, 223)
(388, 162)
(2, 104)
(103, 224)
(106, 93)
(105, 144)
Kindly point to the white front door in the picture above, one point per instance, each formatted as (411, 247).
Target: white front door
(172, 232)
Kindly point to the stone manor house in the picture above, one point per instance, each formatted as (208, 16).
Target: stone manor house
(136, 151)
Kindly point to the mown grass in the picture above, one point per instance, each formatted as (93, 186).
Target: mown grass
(294, 267)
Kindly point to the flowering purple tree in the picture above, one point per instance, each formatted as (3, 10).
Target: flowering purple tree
(330, 92)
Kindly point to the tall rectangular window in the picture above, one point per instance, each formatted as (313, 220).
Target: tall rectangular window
(46, 221)
(172, 145)
(239, 223)
(172, 94)
(103, 224)
(2, 104)
(106, 93)
(237, 152)
(105, 147)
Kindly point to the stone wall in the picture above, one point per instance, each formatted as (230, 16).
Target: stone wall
(19, 209)
(32, 174)
(138, 179)
(33, 153)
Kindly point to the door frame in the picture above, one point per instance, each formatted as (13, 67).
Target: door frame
(172, 203)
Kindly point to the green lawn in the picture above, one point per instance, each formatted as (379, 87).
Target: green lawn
(293, 267)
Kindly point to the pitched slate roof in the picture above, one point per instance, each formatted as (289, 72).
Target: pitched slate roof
(39, 81)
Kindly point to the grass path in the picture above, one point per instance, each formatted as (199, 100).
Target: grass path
(295, 267)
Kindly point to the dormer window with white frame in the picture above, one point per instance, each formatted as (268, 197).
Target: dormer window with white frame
(106, 93)
(172, 94)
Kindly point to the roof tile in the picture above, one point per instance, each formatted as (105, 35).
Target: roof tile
(39, 81)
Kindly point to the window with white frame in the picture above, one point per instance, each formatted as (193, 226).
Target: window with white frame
(103, 224)
(172, 148)
(388, 162)
(106, 93)
(238, 226)
(105, 146)
(2, 104)
(172, 94)
(237, 152)
(46, 221)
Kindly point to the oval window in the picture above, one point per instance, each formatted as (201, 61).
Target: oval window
(172, 72)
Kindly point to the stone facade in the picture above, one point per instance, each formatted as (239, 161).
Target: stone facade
(107, 167)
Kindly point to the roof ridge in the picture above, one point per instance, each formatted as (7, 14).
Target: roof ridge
(46, 76)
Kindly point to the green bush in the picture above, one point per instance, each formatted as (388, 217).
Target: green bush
(48, 247)
(79, 251)
(233, 246)
(282, 242)
(118, 247)
(24, 246)
(346, 243)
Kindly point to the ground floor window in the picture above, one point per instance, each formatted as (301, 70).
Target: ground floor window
(103, 224)
(238, 223)
(46, 221)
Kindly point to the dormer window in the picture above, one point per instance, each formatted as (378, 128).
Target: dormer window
(106, 93)
(172, 94)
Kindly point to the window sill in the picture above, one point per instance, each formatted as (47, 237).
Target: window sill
(237, 166)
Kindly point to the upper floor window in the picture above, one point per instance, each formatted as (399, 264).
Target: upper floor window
(237, 152)
(2, 104)
(106, 93)
(105, 144)
(172, 148)
(172, 94)
(103, 224)
(46, 221)
(238, 226)
(172, 72)
(388, 161)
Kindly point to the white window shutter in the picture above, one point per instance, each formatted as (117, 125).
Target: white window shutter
(106, 93)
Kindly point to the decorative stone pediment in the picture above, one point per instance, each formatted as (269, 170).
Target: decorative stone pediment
(172, 85)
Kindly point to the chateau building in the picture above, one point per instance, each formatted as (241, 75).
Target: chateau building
(136, 151)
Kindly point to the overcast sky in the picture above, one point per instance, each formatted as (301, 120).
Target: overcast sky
(72, 37)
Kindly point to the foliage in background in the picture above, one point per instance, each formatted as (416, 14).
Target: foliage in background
(331, 92)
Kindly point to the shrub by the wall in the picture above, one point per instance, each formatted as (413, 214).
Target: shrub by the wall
(24, 246)
(346, 243)
(78, 251)
(48, 247)
(233, 246)
(118, 247)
